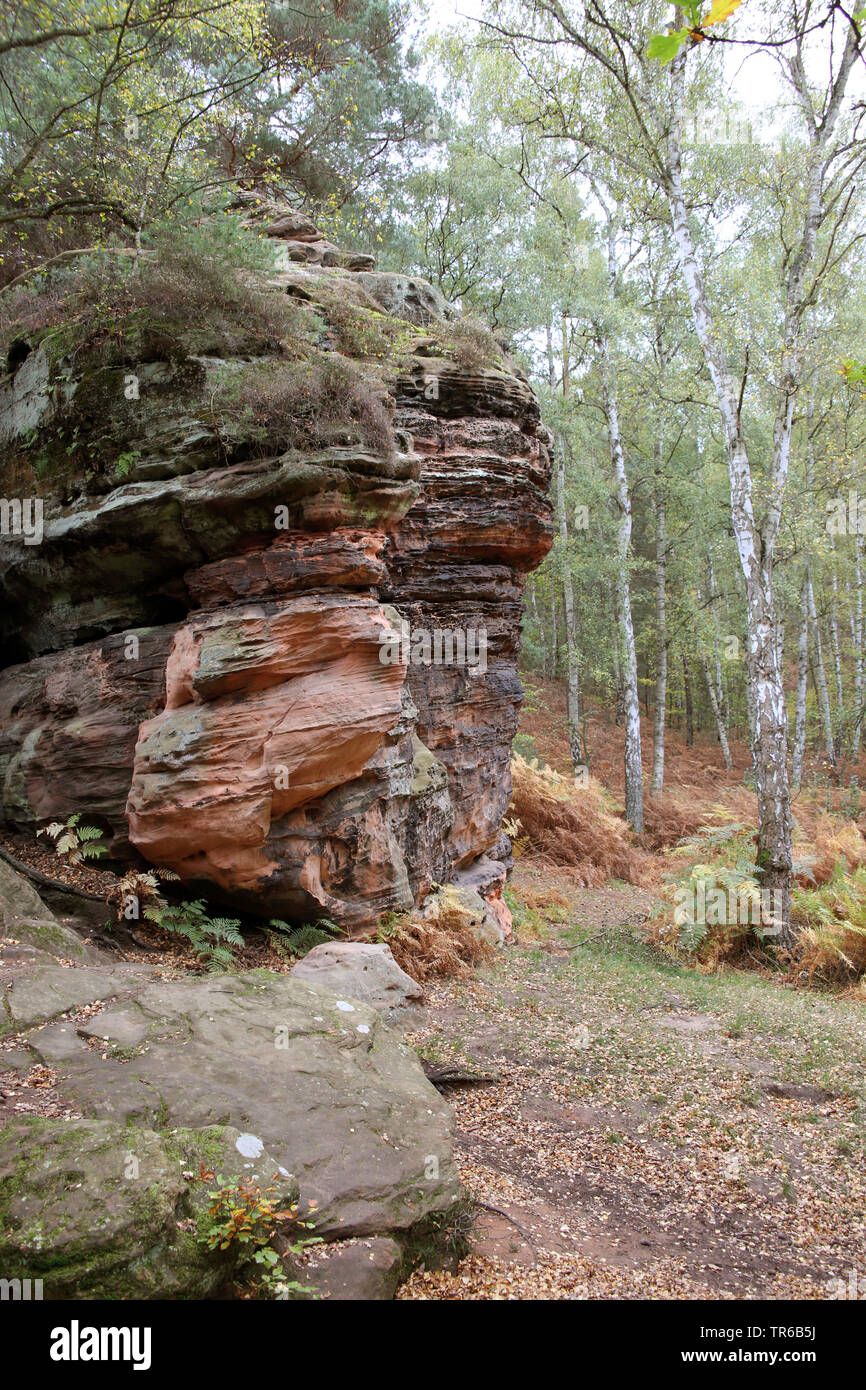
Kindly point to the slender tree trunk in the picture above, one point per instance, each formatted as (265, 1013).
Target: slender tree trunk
(633, 763)
(551, 358)
(554, 639)
(690, 710)
(713, 674)
(658, 772)
(732, 718)
(717, 662)
(536, 614)
(821, 679)
(780, 657)
(756, 541)
(566, 363)
(858, 646)
(837, 665)
(721, 731)
(752, 719)
(802, 678)
(571, 638)
(617, 675)
(720, 687)
(573, 673)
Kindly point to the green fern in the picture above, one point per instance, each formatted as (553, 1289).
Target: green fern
(75, 842)
(211, 938)
(297, 941)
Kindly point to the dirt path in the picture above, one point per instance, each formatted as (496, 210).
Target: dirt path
(655, 1132)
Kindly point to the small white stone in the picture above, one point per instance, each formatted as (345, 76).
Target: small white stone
(363, 1027)
(346, 1007)
(249, 1145)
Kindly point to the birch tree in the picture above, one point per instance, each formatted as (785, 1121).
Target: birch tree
(827, 175)
(830, 155)
(802, 680)
(658, 765)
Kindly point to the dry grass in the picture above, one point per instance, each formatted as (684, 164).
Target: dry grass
(831, 948)
(200, 278)
(440, 948)
(574, 828)
(314, 402)
(823, 843)
(668, 820)
(472, 345)
(542, 894)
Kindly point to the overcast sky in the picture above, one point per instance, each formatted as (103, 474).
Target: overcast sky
(754, 80)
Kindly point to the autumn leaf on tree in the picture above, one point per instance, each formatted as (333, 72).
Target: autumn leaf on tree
(665, 47)
(719, 12)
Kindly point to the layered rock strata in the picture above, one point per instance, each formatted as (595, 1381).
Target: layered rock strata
(243, 661)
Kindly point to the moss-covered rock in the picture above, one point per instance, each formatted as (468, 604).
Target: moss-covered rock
(315, 1079)
(25, 919)
(104, 1211)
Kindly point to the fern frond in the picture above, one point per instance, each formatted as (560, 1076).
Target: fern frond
(91, 851)
(225, 929)
(89, 832)
(302, 938)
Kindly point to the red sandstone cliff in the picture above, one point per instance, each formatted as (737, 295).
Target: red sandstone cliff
(196, 653)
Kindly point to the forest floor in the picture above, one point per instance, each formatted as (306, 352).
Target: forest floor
(655, 1132)
(694, 772)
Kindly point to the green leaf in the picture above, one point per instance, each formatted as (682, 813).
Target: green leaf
(665, 47)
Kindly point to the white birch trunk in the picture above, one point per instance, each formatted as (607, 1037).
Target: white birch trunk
(837, 664)
(573, 673)
(755, 547)
(858, 647)
(628, 654)
(721, 730)
(821, 679)
(717, 663)
(658, 770)
(802, 680)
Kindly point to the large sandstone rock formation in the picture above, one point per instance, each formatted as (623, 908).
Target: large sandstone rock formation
(194, 651)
